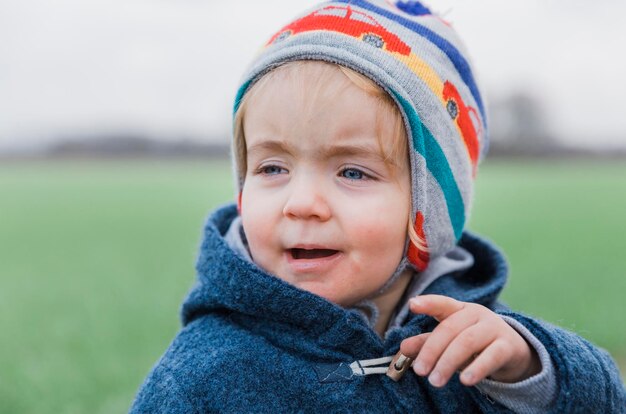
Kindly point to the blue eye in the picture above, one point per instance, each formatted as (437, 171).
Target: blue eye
(271, 170)
(353, 174)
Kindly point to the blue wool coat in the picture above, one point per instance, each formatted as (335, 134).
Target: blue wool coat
(253, 343)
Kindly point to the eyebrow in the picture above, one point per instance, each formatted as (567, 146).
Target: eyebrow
(353, 150)
(331, 151)
(270, 145)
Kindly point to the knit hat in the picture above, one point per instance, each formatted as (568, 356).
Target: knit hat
(418, 59)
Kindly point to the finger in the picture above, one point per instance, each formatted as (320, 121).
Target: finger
(460, 353)
(490, 360)
(440, 339)
(438, 306)
(412, 345)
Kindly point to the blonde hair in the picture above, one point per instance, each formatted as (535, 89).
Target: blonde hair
(388, 108)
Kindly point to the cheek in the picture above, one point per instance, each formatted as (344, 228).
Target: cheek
(384, 237)
(257, 215)
(380, 225)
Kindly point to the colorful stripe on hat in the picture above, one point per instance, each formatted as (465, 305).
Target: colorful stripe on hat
(457, 59)
(437, 163)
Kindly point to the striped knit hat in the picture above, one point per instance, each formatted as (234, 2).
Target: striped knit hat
(419, 60)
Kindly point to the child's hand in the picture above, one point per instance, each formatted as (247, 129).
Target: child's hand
(471, 338)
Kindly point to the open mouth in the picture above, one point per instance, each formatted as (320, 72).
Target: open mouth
(303, 254)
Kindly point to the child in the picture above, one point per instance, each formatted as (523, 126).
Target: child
(358, 130)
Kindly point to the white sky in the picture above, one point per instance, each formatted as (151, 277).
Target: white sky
(171, 67)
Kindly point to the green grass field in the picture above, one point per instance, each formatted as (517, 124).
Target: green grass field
(96, 257)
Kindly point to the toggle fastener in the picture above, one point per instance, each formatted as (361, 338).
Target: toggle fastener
(399, 365)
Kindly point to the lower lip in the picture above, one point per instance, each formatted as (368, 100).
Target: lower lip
(320, 264)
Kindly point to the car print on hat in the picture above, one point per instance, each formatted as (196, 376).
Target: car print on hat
(349, 22)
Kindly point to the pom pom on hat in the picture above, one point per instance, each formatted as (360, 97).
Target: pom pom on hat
(414, 8)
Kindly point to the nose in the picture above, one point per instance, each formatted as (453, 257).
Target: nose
(307, 199)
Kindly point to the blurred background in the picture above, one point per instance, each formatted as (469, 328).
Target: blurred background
(114, 132)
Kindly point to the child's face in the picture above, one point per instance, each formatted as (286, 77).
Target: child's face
(321, 208)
